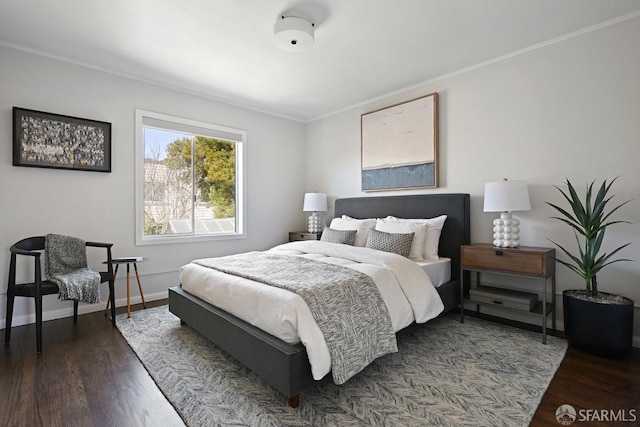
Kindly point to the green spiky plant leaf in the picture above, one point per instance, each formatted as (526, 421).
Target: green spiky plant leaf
(589, 221)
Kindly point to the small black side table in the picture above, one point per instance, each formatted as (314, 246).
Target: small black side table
(128, 261)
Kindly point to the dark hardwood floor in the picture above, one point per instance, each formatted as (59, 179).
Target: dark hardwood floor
(87, 376)
(591, 383)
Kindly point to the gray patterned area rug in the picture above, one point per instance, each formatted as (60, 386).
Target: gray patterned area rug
(445, 373)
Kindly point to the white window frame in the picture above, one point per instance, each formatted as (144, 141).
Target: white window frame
(165, 121)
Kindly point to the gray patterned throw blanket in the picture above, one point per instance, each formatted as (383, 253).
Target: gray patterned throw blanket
(345, 303)
(66, 266)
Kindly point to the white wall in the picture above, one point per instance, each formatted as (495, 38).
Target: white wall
(566, 110)
(100, 206)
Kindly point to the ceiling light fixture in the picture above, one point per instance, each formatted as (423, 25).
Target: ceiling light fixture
(293, 34)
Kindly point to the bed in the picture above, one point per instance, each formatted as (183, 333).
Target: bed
(286, 366)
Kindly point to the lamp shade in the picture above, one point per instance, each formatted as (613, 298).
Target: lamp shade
(315, 202)
(506, 196)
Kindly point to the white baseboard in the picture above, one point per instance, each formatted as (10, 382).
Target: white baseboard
(82, 309)
(122, 302)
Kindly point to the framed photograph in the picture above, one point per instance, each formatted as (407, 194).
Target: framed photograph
(400, 146)
(47, 140)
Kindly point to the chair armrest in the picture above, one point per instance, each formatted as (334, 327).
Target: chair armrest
(109, 261)
(18, 251)
(99, 244)
(12, 267)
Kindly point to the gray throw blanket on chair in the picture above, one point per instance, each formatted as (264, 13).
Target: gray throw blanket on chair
(66, 266)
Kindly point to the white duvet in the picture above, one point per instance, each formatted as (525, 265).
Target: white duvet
(404, 286)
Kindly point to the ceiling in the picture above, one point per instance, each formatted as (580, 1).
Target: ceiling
(223, 49)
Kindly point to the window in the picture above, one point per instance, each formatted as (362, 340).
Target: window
(189, 180)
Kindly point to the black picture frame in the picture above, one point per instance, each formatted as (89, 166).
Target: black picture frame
(48, 140)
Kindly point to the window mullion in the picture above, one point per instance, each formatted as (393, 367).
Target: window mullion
(193, 185)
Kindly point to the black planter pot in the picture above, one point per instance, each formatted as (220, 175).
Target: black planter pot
(598, 328)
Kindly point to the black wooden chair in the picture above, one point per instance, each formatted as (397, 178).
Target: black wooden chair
(34, 247)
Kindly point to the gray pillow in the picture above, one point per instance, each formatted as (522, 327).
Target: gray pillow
(345, 237)
(398, 243)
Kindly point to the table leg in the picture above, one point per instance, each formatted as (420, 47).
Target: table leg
(135, 267)
(106, 310)
(477, 284)
(128, 293)
(553, 302)
(544, 312)
(461, 295)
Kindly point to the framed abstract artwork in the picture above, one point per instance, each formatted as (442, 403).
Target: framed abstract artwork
(47, 140)
(400, 146)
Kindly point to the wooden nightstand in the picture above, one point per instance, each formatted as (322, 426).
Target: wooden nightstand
(295, 236)
(524, 262)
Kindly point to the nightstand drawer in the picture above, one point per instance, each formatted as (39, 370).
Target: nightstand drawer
(303, 235)
(507, 260)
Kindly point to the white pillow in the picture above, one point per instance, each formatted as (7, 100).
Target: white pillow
(361, 225)
(434, 228)
(419, 234)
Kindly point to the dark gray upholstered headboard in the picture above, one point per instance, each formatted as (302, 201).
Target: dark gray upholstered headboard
(456, 230)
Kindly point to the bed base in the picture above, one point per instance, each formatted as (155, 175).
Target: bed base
(283, 365)
(286, 367)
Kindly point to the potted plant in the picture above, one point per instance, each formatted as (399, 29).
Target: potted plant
(594, 321)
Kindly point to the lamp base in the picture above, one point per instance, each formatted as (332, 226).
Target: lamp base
(506, 231)
(315, 223)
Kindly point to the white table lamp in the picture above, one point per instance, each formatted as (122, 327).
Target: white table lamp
(315, 202)
(506, 197)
